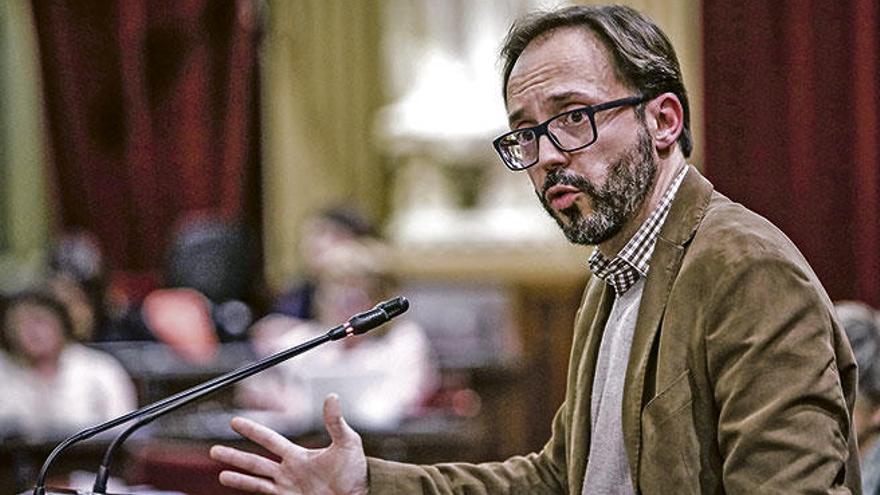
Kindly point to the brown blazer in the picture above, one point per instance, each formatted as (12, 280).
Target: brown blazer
(740, 379)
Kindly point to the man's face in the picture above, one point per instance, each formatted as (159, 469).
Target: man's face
(35, 332)
(591, 193)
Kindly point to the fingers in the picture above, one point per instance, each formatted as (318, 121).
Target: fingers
(244, 461)
(247, 483)
(266, 437)
(340, 432)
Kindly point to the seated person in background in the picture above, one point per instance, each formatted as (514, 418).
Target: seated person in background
(81, 309)
(328, 229)
(181, 319)
(862, 326)
(49, 385)
(382, 376)
(78, 278)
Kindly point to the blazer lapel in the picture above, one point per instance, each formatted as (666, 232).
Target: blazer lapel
(685, 214)
(588, 335)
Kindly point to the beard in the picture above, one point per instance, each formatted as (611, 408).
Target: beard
(614, 203)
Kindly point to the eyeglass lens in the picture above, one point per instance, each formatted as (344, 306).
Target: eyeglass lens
(570, 131)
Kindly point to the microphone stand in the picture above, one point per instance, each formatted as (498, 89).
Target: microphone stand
(356, 325)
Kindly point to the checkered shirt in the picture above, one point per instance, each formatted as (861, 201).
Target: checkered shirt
(632, 262)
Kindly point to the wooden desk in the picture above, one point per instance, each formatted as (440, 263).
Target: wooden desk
(20, 461)
(183, 464)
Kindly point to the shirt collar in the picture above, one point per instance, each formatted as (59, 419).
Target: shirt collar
(633, 261)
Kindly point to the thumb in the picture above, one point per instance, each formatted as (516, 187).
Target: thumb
(340, 432)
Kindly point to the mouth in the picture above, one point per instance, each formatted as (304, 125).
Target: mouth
(560, 197)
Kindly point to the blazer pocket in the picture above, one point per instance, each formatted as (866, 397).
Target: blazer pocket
(670, 460)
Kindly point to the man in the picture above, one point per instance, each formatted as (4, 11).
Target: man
(706, 357)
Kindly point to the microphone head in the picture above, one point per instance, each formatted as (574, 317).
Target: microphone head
(395, 307)
(380, 314)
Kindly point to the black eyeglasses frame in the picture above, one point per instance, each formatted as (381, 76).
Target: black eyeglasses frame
(542, 129)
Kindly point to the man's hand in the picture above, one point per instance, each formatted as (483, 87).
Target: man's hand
(338, 469)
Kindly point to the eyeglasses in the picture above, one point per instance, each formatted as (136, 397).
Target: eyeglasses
(568, 131)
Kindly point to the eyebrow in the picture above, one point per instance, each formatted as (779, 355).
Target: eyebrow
(556, 99)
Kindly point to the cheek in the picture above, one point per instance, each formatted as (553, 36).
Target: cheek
(537, 175)
(40, 336)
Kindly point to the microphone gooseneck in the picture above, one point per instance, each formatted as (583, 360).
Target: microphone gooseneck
(356, 325)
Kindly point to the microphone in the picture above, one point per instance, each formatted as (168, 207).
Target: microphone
(381, 313)
(356, 325)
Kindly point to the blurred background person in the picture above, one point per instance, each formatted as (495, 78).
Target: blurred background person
(328, 229)
(383, 376)
(216, 257)
(78, 278)
(49, 384)
(862, 326)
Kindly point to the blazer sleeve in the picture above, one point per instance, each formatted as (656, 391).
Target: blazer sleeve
(533, 474)
(773, 354)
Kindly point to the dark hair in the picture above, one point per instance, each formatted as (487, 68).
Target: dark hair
(36, 298)
(642, 54)
(350, 220)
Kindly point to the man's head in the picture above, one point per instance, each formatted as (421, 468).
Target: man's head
(560, 71)
(34, 327)
(644, 59)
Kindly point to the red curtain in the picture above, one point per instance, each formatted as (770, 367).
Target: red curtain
(152, 107)
(792, 101)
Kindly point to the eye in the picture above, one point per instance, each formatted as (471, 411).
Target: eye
(525, 136)
(575, 117)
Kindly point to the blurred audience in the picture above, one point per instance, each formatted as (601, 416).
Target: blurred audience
(78, 278)
(216, 257)
(50, 385)
(81, 308)
(181, 318)
(862, 326)
(328, 229)
(382, 376)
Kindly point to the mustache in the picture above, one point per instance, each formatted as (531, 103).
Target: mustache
(560, 176)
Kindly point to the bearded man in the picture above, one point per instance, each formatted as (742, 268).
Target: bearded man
(706, 355)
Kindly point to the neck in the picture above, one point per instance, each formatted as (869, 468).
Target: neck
(46, 368)
(666, 173)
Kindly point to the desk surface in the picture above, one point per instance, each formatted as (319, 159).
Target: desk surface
(179, 447)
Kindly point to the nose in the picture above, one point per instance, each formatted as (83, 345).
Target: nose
(549, 156)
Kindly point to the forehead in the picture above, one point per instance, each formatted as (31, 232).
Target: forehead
(564, 61)
(29, 309)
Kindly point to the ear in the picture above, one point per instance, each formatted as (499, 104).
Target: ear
(665, 119)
